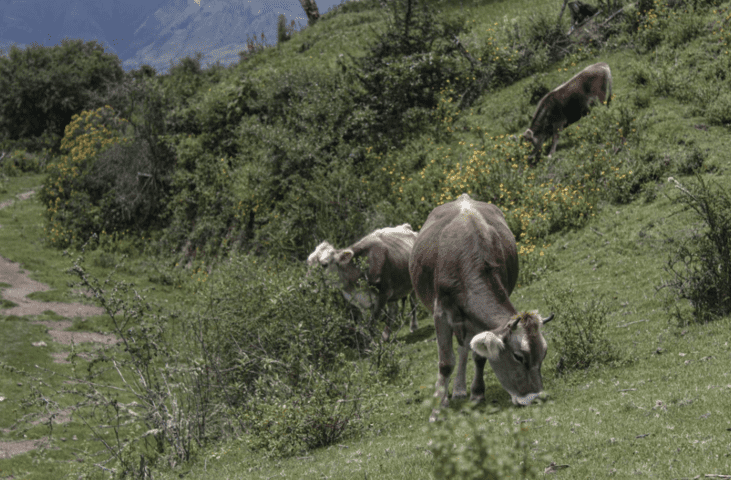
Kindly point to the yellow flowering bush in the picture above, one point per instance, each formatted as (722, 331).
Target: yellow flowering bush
(74, 212)
(556, 194)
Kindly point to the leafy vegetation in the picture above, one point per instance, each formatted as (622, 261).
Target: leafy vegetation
(700, 266)
(389, 113)
(581, 338)
(42, 88)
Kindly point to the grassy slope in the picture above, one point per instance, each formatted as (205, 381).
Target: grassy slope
(589, 423)
(673, 401)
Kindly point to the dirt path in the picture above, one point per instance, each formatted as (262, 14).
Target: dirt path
(21, 285)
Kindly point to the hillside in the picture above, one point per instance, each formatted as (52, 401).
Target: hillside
(263, 374)
(663, 414)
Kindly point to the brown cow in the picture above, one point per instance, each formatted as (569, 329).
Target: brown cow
(567, 103)
(387, 253)
(463, 266)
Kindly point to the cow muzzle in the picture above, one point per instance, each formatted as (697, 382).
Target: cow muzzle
(530, 398)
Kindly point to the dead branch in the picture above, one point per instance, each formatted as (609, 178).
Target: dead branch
(583, 23)
(631, 323)
(615, 14)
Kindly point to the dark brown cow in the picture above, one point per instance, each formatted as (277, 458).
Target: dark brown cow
(567, 103)
(463, 266)
(387, 253)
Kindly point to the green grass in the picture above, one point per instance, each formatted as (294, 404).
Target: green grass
(27, 370)
(594, 418)
(661, 412)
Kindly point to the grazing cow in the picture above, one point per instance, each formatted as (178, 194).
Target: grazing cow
(567, 103)
(464, 266)
(387, 254)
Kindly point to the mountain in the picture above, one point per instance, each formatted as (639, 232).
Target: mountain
(153, 32)
(217, 28)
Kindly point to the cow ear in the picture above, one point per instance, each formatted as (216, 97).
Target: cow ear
(487, 344)
(344, 256)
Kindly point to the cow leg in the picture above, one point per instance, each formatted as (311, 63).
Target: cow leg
(478, 383)
(412, 302)
(554, 145)
(442, 324)
(391, 314)
(378, 307)
(460, 382)
(557, 127)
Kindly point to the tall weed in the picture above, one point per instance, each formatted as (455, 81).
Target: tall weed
(580, 334)
(700, 266)
(476, 446)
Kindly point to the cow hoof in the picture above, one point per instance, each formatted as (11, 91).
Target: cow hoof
(459, 395)
(477, 399)
(434, 416)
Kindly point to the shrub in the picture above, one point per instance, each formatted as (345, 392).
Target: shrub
(536, 90)
(400, 77)
(73, 195)
(164, 401)
(691, 160)
(476, 446)
(281, 340)
(18, 162)
(580, 334)
(700, 266)
(269, 195)
(294, 422)
(718, 111)
(41, 88)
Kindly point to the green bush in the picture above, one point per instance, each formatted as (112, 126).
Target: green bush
(476, 446)
(284, 343)
(400, 77)
(700, 265)
(115, 174)
(274, 196)
(18, 162)
(691, 160)
(297, 421)
(75, 193)
(718, 111)
(41, 88)
(580, 334)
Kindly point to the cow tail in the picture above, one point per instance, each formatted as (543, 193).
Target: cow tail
(609, 86)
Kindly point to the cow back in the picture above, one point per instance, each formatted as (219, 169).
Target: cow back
(387, 252)
(466, 254)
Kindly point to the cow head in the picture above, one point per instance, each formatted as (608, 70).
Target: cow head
(516, 352)
(341, 266)
(536, 138)
(322, 255)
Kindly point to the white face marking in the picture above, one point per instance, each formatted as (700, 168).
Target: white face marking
(524, 343)
(322, 254)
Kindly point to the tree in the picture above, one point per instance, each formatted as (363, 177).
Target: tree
(41, 88)
(311, 10)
